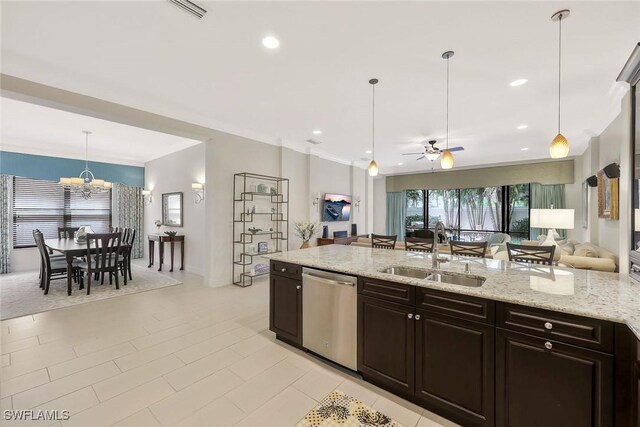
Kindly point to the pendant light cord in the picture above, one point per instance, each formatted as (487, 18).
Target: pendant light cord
(447, 103)
(86, 151)
(559, 66)
(373, 125)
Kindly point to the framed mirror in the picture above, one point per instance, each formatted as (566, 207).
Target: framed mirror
(172, 209)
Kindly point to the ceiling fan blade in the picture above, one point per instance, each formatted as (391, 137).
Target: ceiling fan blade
(456, 149)
(420, 158)
(410, 154)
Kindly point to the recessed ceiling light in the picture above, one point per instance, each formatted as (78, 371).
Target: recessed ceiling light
(524, 149)
(518, 82)
(400, 164)
(317, 132)
(523, 126)
(270, 42)
(368, 151)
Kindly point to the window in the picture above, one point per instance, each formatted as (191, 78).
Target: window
(45, 205)
(472, 213)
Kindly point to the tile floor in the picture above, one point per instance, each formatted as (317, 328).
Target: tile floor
(186, 355)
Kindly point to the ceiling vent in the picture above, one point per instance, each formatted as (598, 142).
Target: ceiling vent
(311, 141)
(190, 7)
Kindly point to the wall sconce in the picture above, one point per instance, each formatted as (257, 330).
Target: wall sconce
(357, 202)
(316, 199)
(148, 198)
(198, 189)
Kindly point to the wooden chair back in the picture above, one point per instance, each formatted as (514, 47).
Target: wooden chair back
(379, 241)
(472, 249)
(417, 244)
(531, 254)
(105, 248)
(67, 232)
(42, 250)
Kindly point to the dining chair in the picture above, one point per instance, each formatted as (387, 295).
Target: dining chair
(129, 237)
(417, 244)
(67, 232)
(471, 249)
(531, 253)
(379, 241)
(51, 269)
(103, 252)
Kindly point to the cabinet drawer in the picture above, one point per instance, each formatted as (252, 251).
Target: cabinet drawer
(389, 291)
(285, 269)
(568, 328)
(461, 306)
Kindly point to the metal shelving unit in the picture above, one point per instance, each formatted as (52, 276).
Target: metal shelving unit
(259, 201)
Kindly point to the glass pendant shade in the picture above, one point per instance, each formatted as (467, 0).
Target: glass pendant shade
(447, 160)
(559, 147)
(373, 168)
(432, 157)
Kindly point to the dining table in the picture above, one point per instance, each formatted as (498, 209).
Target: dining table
(72, 249)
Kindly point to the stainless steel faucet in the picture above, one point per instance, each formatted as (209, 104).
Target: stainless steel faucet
(435, 262)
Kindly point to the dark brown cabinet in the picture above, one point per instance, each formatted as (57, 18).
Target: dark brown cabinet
(386, 344)
(285, 300)
(540, 382)
(455, 368)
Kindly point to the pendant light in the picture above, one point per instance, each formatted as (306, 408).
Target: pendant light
(559, 147)
(373, 166)
(86, 183)
(446, 161)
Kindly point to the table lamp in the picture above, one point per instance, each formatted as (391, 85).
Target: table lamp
(552, 219)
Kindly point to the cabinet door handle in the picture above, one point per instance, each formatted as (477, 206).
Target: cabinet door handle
(284, 270)
(417, 317)
(298, 287)
(548, 325)
(548, 345)
(410, 316)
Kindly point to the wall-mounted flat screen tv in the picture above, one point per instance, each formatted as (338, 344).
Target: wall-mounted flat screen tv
(337, 207)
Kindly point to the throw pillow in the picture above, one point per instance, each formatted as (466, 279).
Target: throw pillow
(587, 250)
(568, 248)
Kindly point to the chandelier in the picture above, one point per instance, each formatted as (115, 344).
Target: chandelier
(86, 183)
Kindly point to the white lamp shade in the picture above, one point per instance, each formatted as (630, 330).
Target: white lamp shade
(197, 186)
(552, 218)
(636, 216)
(146, 192)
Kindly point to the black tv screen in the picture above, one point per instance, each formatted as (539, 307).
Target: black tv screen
(337, 207)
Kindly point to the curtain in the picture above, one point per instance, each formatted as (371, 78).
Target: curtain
(128, 212)
(396, 214)
(544, 197)
(6, 222)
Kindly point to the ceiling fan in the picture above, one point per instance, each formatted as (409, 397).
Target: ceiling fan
(431, 152)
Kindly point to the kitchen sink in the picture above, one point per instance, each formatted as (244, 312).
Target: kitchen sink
(440, 276)
(456, 279)
(416, 273)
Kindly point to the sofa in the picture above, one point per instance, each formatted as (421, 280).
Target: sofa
(586, 256)
(572, 253)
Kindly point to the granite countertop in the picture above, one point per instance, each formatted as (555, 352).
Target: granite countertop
(607, 296)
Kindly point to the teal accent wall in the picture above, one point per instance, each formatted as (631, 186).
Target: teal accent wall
(52, 168)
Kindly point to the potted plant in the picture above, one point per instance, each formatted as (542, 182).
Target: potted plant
(305, 231)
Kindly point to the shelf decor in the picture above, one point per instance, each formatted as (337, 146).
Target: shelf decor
(305, 231)
(260, 223)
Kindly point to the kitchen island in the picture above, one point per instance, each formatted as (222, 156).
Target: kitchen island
(532, 345)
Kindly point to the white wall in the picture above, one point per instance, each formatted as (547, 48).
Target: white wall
(380, 205)
(611, 146)
(174, 173)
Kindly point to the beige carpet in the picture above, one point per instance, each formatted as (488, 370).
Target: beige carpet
(21, 295)
(341, 410)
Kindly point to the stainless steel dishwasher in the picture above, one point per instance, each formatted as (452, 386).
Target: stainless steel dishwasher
(329, 316)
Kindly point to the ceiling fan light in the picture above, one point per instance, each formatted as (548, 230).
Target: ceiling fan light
(559, 147)
(432, 156)
(373, 168)
(447, 160)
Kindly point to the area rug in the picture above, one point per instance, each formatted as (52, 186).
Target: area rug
(339, 409)
(20, 293)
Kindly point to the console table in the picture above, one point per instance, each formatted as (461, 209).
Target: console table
(347, 240)
(162, 239)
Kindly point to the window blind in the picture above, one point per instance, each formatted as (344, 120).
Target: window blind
(46, 205)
